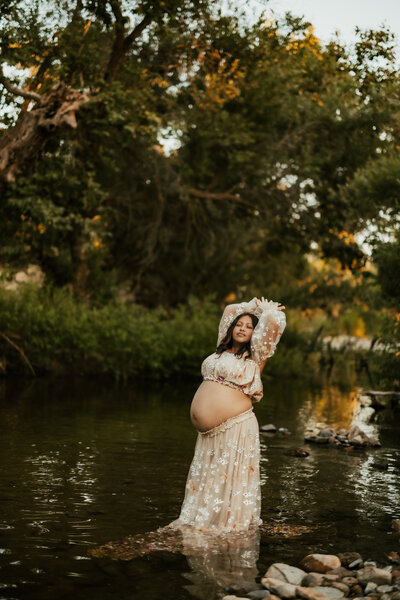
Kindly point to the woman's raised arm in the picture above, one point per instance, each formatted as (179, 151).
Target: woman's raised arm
(268, 331)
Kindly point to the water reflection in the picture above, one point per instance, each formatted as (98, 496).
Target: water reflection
(216, 562)
(331, 406)
(231, 561)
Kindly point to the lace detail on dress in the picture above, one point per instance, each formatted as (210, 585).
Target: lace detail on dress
(223, 486)
(268, 331)
(247, 414)
(236, 372)
(230, 384)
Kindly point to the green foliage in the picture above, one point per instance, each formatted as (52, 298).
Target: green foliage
(277, 135)
(61, 334)
(387, 258)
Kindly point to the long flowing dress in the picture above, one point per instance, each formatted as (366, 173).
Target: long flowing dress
(222, 493)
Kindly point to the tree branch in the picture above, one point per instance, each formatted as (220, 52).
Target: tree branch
(17, 91)
(136, 32)
(25, 140)
(21, 352)
(121, 43)
(221, 196)
(116, 8)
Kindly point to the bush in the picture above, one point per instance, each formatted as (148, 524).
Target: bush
(59, 333)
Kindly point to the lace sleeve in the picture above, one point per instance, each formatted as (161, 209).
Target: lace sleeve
(268, 330)
(231, 312)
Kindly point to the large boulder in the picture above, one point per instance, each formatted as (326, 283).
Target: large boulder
(286, 573)
(321, 563)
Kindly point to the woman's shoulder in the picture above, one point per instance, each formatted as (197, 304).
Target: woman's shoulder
(212, 356)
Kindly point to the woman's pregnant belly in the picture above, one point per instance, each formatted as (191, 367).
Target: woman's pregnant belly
(214, 403)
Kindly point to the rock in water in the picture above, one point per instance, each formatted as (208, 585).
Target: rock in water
(327, 432)
(284, 430)
(320, 563)
(341, 586)
(330, 592)
(270, 428)
(278, 587)
(356, 564)
(312, 579)
(258, 594)
(341, 571)
(346, 558)
(310, 593)
(378, 576)
(385, 589)
(286, 573)
(350, 581)
(394, 557)
(396, 525)
(300, 452)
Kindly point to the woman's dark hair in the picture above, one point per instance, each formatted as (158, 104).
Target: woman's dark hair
(227, 342)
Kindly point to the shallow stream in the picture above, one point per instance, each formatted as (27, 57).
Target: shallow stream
(85, 462)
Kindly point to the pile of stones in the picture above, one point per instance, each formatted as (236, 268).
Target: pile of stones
(354, 437)
(324, 577)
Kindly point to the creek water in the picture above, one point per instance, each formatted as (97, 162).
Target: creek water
(85, 462)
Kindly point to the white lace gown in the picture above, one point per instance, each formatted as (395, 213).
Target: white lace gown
(222, 493)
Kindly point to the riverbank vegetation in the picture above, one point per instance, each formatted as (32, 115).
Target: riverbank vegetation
(48, 331)
(158, 159)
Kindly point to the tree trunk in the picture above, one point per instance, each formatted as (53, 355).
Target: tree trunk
(24, 141)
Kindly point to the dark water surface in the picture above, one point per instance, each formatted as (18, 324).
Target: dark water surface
(86, 462)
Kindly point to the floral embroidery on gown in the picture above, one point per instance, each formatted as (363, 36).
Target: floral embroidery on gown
(222, 493)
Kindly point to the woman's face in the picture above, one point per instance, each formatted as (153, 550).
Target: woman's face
(243, 330)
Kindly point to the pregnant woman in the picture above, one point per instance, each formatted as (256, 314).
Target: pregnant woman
(223, 486)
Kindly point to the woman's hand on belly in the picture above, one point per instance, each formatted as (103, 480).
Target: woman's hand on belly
(214, 403)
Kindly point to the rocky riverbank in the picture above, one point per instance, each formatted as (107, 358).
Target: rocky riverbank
(325, 577)
(354, 437)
